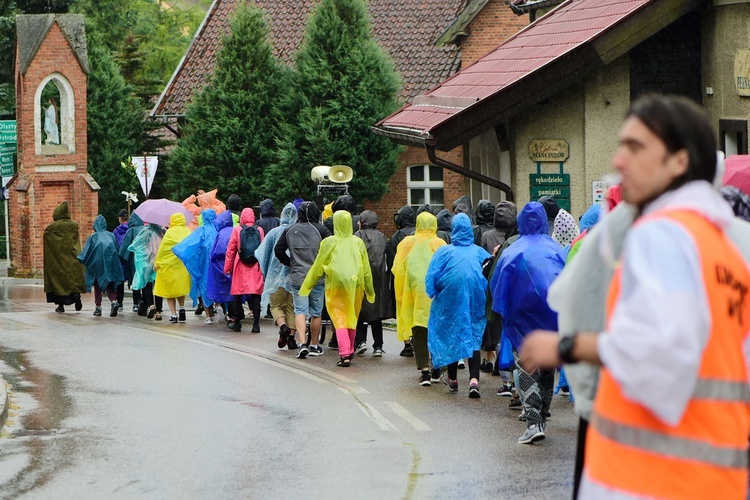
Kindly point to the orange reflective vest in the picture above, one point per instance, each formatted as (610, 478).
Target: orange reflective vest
(705, 455)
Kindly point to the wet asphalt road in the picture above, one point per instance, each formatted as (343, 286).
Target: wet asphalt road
(130, 408)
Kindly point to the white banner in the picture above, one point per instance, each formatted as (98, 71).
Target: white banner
(145, 169)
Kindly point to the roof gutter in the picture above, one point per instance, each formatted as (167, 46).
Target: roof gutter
(525, 8)
(429, 145)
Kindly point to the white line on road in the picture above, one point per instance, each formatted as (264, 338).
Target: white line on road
(376, 416)
(354, 390)
(408, 416)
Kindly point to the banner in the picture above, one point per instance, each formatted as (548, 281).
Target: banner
(145, 170)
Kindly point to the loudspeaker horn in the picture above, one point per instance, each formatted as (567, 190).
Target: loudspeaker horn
(320, 173)
(340, 174)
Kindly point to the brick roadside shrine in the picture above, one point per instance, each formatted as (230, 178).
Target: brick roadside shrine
(49, 48)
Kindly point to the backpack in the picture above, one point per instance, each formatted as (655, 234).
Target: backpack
(249, 243)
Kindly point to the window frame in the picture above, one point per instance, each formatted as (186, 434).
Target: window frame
(426, 185)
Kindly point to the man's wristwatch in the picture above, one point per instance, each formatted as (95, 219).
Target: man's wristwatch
(565, 349)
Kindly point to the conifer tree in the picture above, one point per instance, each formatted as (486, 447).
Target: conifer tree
(229, 135)
(344, 83)
(115, 124)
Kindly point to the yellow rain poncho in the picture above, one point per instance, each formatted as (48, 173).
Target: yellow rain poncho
(409, 270)
(172, 278)
(343, 259)
(328, 211)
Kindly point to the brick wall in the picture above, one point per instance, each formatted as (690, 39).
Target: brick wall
(491, 26)
(33, 195)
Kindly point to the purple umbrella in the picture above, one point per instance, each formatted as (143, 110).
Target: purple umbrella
(160, 210)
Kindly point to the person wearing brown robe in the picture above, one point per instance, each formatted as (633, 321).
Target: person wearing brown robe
(64, 280)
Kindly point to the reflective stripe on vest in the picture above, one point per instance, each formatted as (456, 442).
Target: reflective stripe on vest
(669, 446)
(722, 390)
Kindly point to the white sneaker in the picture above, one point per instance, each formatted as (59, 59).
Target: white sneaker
(532, 434)
(208, 321)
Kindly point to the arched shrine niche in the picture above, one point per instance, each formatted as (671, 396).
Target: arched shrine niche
(54, 116)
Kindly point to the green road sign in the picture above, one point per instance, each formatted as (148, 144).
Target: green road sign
(7, 125)
(8, 137)
(549, 179)
(554, 191)
(8, 147)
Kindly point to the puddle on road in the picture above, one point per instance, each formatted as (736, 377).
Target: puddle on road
(21, 298)
(34, 445)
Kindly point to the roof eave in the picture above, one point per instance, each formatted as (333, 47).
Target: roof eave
(403, 136)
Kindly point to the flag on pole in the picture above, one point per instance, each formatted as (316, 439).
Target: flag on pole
(145, 170)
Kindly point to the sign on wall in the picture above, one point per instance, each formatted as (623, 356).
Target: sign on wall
(742, 71)
(555, 185)
(598, 188)
(549, 150)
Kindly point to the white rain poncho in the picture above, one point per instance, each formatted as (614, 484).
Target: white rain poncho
(275, 274)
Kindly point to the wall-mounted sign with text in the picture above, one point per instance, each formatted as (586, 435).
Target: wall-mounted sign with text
(555, 185)
(742, 71)
(549, 150)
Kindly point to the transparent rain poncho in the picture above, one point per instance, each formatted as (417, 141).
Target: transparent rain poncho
(275, 274)
(144, 248)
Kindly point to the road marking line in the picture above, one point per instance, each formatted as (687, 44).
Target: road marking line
(376, 416)
(354, 390)
(408, 416)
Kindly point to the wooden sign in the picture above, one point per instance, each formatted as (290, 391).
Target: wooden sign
(742, 71)
(549, 150)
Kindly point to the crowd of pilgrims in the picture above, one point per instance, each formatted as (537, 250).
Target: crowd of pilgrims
(465, 285)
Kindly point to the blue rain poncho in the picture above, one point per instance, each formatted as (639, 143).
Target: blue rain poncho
(457, 287)
(219, 284)
(195, 251)
(524, 273)
(275, 274)
(100, 257)
(144, 249)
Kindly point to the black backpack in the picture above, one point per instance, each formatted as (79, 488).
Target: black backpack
(249, 243)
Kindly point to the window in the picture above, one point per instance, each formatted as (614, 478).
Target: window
(424, 184)
(54, 116)
(733, 136)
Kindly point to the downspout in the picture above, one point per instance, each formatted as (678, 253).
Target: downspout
(430, 147)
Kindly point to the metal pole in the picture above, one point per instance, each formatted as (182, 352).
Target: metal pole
(145, 173)
(7, 234)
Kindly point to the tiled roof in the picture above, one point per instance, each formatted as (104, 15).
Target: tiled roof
(406, 29)
(565, 31)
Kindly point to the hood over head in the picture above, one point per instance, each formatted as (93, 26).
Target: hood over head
(342, 224)
(466, 200)
(444, 218)
(267, 208)
(223, 220)
(208, 216)
(566, 229)
(308, 212)
(426, 224)
(176, 220)
(288, 215)
(328, 211)
(591, 217)
(134, 220)
(406, 217)
(369, 220)
(462, 208)
(532, 219)
(100, 223)
(425, 208)
(345, 202)
(247, 217)
(485, 213)
(234, 203)
(462, 234)
(551, 208)
(505, 215)
(62, 211)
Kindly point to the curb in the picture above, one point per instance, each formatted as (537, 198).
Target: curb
(4, 403)
(4, 281)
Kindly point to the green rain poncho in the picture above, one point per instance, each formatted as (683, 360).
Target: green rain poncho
(409, 270)
(63, 274)
(343, 259)
(172, 278)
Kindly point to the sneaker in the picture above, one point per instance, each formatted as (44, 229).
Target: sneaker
(515, 404)
(119, 306)
(79, 305)
(315, 350)
(378, 353)
(435, 376)
(532, 434)
(199, 310)
(522, 416)
(61, 309)
(451, 383)
(283, 335)
(424, 379)
(506, 391)
(256, 328)
(113, 309)
(135, 308)
(407, 352)
(565, 390)
(182, 317)
(486, 366)
(333, 344)
(97, 311)
(291, 343)
(208, 321)
(303, 352)
(173, 319)
(235, 326)
(461, 364)
(474, 390)
(151, 312)
(361, 349)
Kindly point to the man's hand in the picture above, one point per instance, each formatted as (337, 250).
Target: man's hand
(540, 351)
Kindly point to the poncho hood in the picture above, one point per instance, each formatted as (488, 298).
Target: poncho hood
(247, 217)
(223, 220)
(345, 202)
(342, 224)
(288, 215)
(308, 212)
(591, 217)
(135, 221)
(444, 219)
(505, 214)
(327, 211)
(462, 234)
(369, 220)
(209, 217)
(62, 211)
(100, 223)
(466, 200)
(485, 213)
(532, 219)
(406, 217)
(424, 208)
(176, 220)
(426, 225)
(267, 208)
(566, 229)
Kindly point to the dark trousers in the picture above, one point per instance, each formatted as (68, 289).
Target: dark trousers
(419, 343)
(583, 427)
(111, 294)
(137, 297)
(149, 298)
(253, 301)
(474, 362)
(377, 333)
